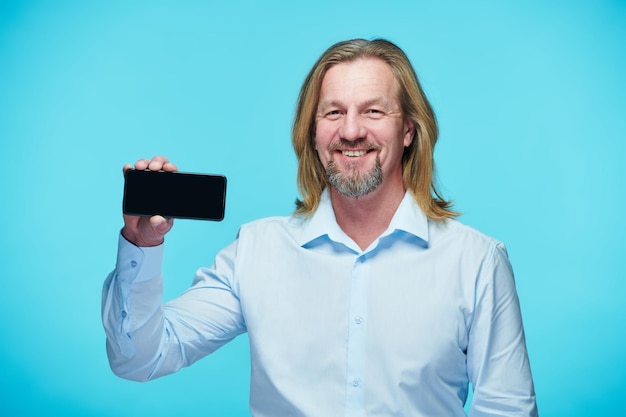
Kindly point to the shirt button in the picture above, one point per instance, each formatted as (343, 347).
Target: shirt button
(356, 382)
(124, 314)
(358, 320)
(133, 263)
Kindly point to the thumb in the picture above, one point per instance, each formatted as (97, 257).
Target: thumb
(159, 225)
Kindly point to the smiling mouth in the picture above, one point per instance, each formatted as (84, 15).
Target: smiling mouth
(353, 154)
(353, 149)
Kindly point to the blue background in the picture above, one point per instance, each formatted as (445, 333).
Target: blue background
(531, 100)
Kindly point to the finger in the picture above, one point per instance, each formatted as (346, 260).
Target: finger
(157, 163)
(160, 224)
(170, 167)
(126, 167)
(160, 158)
(141, 164)
(156, 221)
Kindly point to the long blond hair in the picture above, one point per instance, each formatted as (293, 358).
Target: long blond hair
(417, 161)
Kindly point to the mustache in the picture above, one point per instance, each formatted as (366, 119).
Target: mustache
(352, 144)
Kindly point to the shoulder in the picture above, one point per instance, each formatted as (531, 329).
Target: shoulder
(272, 228)
(452, 233)
(481, 258)
(271, 223)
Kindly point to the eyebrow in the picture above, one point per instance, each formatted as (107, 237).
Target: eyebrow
(321, 108)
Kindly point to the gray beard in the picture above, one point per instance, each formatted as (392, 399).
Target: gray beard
(354, 184)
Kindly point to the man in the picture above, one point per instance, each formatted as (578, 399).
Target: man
(369, 300)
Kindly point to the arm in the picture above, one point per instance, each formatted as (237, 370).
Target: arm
(131, 311)
(497, 358)
(146, 339)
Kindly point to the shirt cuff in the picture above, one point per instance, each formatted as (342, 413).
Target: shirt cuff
(136, 264)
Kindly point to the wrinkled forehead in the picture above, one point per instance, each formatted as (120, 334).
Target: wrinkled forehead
(363, 79)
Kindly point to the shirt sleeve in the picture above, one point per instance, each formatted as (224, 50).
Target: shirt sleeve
(497, 359)
(147, 339)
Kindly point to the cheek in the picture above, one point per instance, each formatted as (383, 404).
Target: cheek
(323, 136)
(320, 150)
(317, 146)
(322, 155)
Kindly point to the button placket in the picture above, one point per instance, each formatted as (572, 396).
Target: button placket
(355, 396)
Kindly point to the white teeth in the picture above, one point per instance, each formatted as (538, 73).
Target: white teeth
(354, 153)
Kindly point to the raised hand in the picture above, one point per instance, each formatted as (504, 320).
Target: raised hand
(148, 230)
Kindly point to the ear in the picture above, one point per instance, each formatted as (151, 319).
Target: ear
(409, 132)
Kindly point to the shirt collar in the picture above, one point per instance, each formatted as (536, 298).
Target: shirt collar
(321, 223)
(408, 218)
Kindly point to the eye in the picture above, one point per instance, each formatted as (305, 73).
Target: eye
(333, 114)
(374, 113)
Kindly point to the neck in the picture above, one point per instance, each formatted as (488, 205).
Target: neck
(365, 218)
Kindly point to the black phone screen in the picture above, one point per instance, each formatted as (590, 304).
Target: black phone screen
(174, 194)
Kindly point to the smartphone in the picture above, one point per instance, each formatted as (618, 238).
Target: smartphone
(174, 194)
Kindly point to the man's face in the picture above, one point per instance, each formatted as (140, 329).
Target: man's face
(360, 132)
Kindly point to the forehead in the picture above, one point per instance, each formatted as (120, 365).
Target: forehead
(361, 78)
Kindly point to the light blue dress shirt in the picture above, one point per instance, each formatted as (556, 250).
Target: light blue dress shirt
(398, 329)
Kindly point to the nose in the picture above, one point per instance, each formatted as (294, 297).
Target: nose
(352, 127)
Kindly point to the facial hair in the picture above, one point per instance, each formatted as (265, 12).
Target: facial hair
(354, 183)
